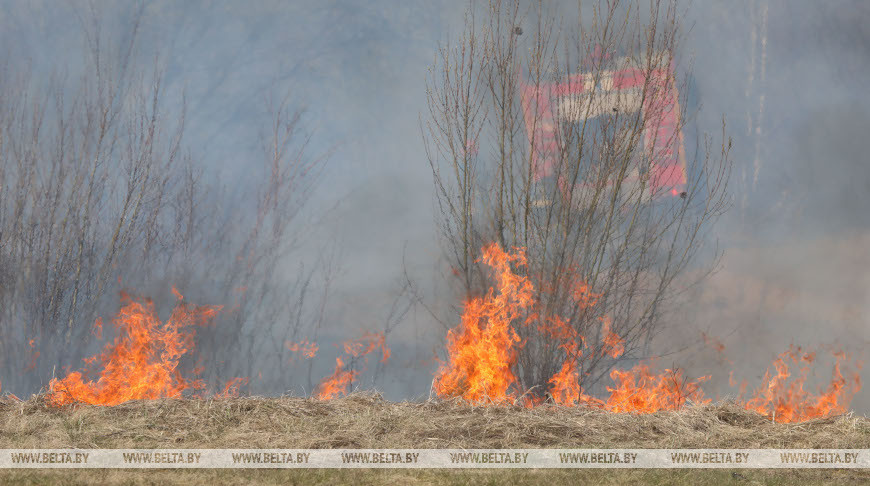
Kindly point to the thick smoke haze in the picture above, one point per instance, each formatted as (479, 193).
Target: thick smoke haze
(788, 76)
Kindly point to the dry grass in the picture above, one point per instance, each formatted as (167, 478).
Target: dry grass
(367, 421)
(364, 420)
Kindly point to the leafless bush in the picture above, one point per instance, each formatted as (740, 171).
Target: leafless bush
(587, 210)
(97, 192)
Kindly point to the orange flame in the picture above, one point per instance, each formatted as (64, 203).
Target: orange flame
(341, 379)
(566, 387)
(613, 345)
(308, 349)
(481, 350)
(369, 342)
(786, 401)
(232, 387)
(336, 384)
(142, 362)
(640, 391)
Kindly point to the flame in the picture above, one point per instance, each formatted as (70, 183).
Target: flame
(482, 349)
(786, 400)
(482, 354)
(638, 390)
(341, 379)
(308, 349)
(566, 388)
(613, 345)
(369, 342)
(566, 385)
(337, 384)
(232, 387)
(142, 362)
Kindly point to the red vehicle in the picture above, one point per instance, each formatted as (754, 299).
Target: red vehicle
(548, 107)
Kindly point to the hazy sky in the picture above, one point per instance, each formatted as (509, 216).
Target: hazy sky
(789, 76)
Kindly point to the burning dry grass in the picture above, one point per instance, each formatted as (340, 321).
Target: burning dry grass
(363, 420)
(142, 362)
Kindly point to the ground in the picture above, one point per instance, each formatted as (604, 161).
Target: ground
(367, 421)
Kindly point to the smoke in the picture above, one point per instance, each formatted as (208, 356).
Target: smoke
(789, 77)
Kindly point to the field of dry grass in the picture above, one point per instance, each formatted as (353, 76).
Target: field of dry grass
(367, 421)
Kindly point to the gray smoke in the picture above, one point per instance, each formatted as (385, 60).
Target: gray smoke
(789, 77)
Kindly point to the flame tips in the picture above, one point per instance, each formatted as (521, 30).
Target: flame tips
(232, 387)
(142, 362)
(342, 379)
(307, 348)
(782, 396)
(482, 352)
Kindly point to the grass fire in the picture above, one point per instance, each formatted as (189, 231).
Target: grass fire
(440, 225)
(142, 362)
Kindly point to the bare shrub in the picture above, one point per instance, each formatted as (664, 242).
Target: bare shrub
(575, 186)
(98, 193)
